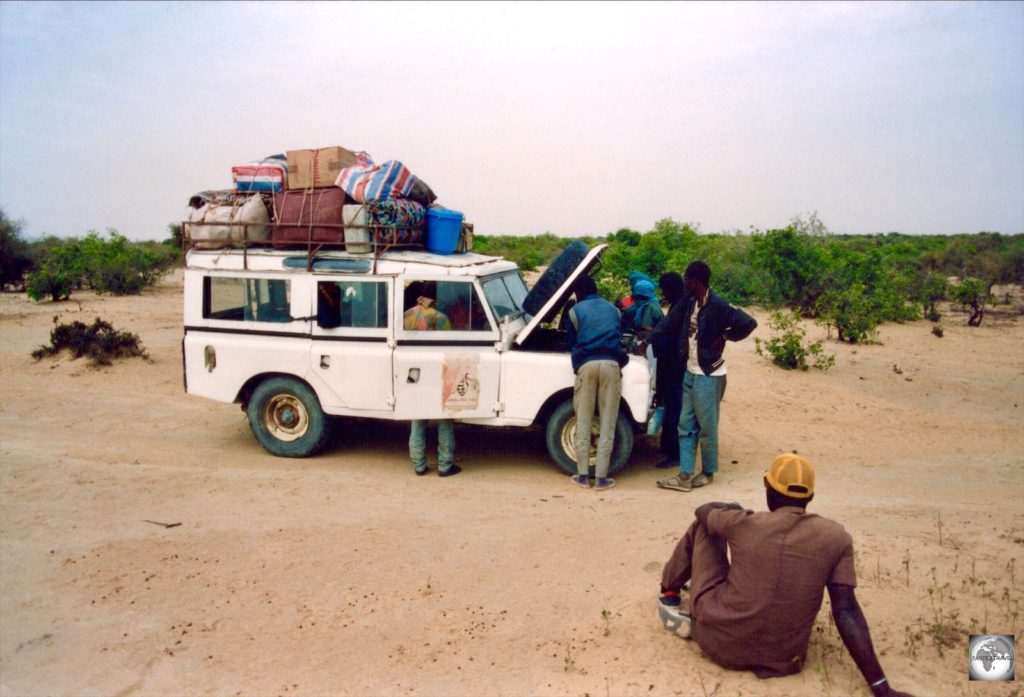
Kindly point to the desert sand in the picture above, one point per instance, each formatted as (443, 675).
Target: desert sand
(344, 574)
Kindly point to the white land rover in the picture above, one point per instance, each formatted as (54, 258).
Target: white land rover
(297, 338)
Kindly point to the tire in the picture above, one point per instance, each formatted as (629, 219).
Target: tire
(286, 418)
(554, 276)
(561, 437)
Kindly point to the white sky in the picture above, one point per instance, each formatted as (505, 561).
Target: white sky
(575, 118)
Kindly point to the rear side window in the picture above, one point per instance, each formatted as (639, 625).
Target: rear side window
(361, 304)
(247, 299)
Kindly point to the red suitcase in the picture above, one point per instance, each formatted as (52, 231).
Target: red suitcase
(308, 216)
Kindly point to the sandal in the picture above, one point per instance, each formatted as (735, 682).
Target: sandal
(702, 480)
(680, 482)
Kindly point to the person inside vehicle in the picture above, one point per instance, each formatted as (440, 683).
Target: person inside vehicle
(422, 315)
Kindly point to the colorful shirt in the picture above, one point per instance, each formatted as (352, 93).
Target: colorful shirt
(421, 318)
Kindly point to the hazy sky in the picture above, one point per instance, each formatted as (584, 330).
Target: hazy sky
(575, 118)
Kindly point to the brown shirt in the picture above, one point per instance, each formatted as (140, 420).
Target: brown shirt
(760, 618)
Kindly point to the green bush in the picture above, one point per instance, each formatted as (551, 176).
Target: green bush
(527, 252)
(107, 265)
(931, 288)
(15, 259)
(99, 341)
(974, 294)
(795, 267)
(849, 311)
(787, 346)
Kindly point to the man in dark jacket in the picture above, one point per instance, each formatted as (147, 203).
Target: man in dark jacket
(669, 375)
(757, 580)
(595, 343)
(704, 322)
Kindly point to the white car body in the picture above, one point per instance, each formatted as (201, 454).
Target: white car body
(233, 339)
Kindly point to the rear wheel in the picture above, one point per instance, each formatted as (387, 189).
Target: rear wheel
(286, 418)
(561, 440)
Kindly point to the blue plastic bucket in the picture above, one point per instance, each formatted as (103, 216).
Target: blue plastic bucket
(443, 228)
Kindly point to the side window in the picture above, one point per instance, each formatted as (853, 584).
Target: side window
(247, 299)
(454, 305)
(359, 304)
(421, 311)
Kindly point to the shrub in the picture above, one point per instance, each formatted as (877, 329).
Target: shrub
(112, 265)
(931, 289)
(14, 253)
(99, 341)
(848, 310)
(787, 346)
(527, 252)
(974, 294)
(48, 281)
(795, 266)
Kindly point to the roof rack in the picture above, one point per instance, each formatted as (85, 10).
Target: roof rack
(376, 239)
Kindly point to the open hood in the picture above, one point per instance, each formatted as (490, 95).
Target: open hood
(558, 299)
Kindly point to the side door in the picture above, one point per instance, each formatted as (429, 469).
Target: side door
(446, 361)
(239, 324)
(351, 351)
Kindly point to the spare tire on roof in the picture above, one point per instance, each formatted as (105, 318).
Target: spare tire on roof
(555, 275)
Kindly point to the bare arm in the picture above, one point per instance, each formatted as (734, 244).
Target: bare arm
(853, 629)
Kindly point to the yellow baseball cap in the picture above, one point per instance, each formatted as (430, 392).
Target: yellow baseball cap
(792, 476)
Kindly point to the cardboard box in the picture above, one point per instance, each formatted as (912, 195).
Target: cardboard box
(312, 169)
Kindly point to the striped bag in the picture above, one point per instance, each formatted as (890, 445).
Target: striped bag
(365, 182)
(267, 174)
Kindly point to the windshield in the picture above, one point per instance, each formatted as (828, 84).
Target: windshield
(505, 294)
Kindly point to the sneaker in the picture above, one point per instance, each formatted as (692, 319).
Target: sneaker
(680, 482)
(603, 483)
(702, 480)
(450, 472)
(420, 473)
(580, 480)
(674, 620)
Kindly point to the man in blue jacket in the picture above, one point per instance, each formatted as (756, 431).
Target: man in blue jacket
(595, 344)
(704, 322)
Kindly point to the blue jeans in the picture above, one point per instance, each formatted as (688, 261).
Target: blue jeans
(445, 444)
(698, 423)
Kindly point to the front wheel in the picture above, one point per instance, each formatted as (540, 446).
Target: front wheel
(561, 440)
(286, 418)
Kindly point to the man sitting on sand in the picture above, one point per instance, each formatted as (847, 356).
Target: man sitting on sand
(757, 611)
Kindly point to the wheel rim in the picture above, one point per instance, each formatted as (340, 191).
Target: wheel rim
(285, 417)
(569, 438)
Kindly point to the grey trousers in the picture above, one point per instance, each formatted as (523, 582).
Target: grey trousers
(598, 383)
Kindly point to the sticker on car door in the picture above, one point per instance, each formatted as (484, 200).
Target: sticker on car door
(460, 377)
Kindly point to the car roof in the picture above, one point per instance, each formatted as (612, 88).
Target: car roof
(389, 263)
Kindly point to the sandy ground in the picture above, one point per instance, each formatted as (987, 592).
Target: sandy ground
(346, 575)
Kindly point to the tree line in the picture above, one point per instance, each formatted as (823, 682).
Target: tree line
(850, 283)
(54, 267)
